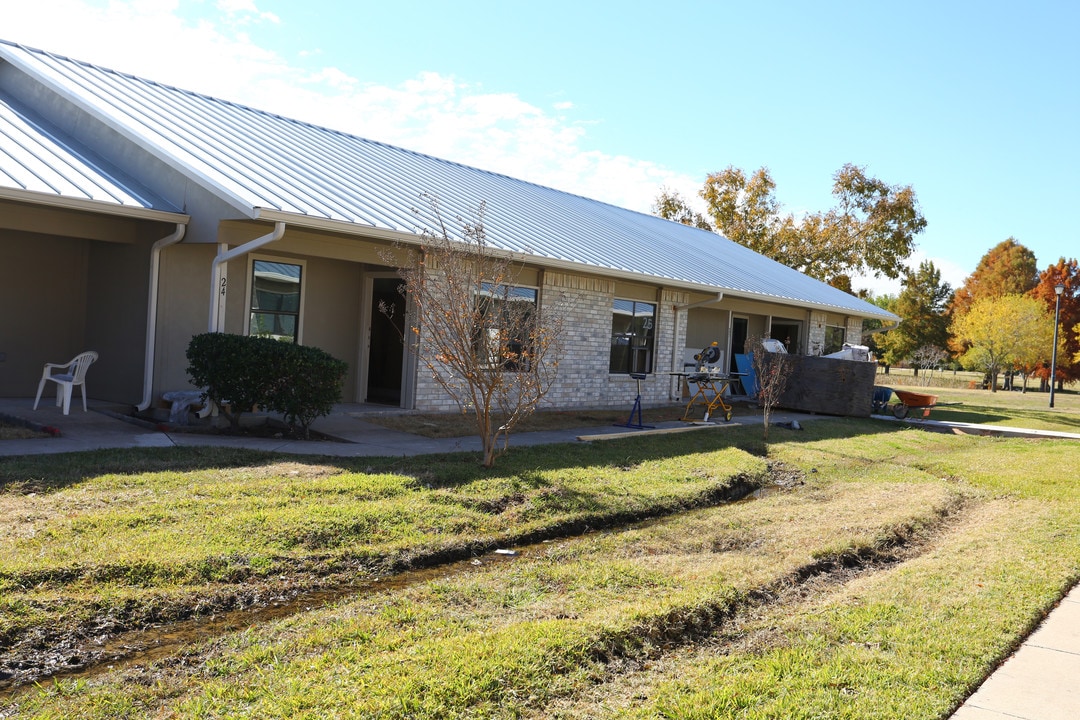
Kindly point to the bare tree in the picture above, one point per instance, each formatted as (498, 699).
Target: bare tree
(483, 338)
(771, 372)
(927, 358)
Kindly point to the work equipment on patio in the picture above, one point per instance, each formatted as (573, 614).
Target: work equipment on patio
(711, 385)
(636, 409)
(72, 373)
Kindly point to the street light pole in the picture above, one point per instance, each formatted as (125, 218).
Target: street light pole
(1058, 289)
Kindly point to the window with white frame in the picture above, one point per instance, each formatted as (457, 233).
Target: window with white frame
(276, 294)
(633, 325)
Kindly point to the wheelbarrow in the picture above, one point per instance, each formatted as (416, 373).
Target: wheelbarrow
(910, 400)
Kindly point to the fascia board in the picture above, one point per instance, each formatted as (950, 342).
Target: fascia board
(94, 206)
(158, 151)
(367, 231)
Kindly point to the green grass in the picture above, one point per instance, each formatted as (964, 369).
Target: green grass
(886, 585)
(1014, 409)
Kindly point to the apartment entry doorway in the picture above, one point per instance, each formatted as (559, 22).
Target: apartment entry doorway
(739, 330)
(788, 332)
(385, 351)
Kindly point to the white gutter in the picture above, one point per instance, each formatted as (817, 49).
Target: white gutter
(94, 206)
(151, 312)
(226, 256)
(884, 328)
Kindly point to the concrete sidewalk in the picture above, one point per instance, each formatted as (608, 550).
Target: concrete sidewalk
(1041, 681)
(105, 427)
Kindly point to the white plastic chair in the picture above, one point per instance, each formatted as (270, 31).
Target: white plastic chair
(72, 373)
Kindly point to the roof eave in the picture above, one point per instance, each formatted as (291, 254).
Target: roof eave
(368, 231)
(94, 206)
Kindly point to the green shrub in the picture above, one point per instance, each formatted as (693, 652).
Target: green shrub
(309, 383)
(238, 373)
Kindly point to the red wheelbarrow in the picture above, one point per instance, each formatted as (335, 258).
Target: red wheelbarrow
(909, 400)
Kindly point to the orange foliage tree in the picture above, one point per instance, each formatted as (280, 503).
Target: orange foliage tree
(1066, 273)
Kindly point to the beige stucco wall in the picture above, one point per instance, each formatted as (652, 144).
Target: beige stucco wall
(183, 311)
(43, 293)
(333, 289)
(63, 295)
(118, 279)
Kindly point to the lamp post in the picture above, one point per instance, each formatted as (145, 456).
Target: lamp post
(1058, 289)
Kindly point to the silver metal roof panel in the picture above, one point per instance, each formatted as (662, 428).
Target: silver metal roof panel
(37, 158)
(261, 161)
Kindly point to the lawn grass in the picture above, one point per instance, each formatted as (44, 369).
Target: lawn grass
(1013, 409)
(886, 584)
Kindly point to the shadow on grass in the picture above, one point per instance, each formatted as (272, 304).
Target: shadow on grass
(34, 473)
(981, 414)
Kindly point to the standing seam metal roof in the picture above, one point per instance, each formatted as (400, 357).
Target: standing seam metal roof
(258, 160)
(36, 157)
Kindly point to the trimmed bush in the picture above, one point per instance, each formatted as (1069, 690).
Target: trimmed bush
(310, 381)
(238, 373)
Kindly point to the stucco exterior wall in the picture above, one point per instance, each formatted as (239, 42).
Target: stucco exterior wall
(43, 293)
(183, 311)
(118, 280)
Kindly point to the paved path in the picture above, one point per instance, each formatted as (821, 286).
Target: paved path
(1041, 681)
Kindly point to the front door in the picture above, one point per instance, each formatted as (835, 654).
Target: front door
(739, 328)
(385, 349)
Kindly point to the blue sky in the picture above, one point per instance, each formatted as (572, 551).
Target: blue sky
(976, 105)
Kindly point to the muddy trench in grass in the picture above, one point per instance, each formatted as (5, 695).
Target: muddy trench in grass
(86, 652)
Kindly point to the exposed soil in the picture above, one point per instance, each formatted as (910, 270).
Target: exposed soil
(164, 626)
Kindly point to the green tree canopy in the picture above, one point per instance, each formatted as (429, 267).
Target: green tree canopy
(871, 229)
(1003, 331)
(923, 308)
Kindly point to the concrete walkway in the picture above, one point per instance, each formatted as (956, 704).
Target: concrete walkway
(104, 427)
(1041, 681)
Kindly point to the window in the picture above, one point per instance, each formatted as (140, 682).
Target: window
(504, 315)
(834, 339)
(632, 326)
(275, 300)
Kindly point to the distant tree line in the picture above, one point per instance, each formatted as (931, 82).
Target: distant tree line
(1001, 320)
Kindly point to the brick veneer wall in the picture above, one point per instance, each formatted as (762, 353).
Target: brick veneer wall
(583, 380)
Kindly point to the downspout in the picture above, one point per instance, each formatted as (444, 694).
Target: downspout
(226, 256)
(884, 328)
(151, 312)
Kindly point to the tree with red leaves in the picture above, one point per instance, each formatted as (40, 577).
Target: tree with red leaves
(1067, 273)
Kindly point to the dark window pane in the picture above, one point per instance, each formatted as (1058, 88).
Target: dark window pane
(632, 333)
(275, 300)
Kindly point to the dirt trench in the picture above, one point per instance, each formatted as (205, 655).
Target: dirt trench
(139, 634)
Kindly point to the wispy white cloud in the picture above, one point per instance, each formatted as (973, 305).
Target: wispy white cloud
(432, 113)
(245, 11)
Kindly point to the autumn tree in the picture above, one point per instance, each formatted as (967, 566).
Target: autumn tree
(1066, 273)
(923, 309)
(670, 205)
(1008, 268)
(482, 337)
(1003, 331)
(871, 229)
